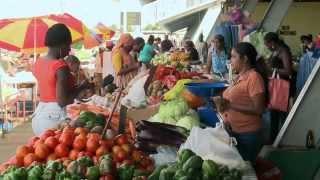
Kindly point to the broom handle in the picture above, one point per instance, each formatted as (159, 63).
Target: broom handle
(112, 111)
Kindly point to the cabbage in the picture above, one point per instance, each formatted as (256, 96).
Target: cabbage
(156, 118)
(173, 109)
(188, 122)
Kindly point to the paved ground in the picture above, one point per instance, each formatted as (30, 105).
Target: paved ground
(18, 136)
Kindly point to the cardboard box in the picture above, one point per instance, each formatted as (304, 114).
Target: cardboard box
(144, 113)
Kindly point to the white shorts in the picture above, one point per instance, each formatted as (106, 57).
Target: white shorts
(46, 116)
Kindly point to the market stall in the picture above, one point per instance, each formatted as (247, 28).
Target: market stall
(156, 132)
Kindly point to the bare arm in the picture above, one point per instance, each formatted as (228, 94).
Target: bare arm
(286, 61)
(66, 95)
(125, 70)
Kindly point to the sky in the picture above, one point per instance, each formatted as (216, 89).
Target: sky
(89, 11)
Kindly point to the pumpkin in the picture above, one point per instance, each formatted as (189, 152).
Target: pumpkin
(192, 100)
(42, 151)
(22, 151)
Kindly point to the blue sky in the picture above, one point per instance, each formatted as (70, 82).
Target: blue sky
(89, 11)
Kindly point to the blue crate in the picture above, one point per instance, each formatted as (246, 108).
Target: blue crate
(206, 90)
(208, 115)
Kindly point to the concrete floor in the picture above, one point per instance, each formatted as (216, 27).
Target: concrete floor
(18, 136)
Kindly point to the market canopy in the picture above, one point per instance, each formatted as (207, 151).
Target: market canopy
(28, 34)
(106, 32)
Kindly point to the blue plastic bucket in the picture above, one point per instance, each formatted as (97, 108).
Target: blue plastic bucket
(206, 89)
(208, 116)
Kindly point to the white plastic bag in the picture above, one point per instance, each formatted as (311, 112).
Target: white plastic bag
(165, 155)
(136, 96)
(214, 144)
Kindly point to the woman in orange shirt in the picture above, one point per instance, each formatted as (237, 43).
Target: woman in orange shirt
(244, 101)
(57, 86)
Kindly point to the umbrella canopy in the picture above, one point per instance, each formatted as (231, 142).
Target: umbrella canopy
(28, 34)
(106, 32)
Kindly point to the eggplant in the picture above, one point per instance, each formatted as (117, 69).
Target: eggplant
(165, 127)
(156, 129)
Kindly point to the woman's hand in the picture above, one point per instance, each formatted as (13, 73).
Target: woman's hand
(221, 104)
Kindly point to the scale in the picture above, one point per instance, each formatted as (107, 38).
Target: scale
(288, 151)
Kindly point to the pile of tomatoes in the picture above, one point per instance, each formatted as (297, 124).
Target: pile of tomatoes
(71, 143)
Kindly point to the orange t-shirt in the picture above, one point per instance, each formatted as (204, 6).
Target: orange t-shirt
(45, 73)
(248, 85)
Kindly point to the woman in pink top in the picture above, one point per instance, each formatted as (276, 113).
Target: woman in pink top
(56, 85)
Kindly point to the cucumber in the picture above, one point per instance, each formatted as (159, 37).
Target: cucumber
(184, 155)
(194, 162)
(156, 173)
(210, 168)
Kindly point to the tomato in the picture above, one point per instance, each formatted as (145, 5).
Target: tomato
(22, 151)
(67, 139)
(32, 141)
(79, 143)
(137, 155)
(29, 159)
(101, 151)
(58, 131)
(80, 130)
(127, 148)
(116, 149)
(46, 134)
(42, 151)
(120, 156)
(39, 141)
(94, 136)
(52, 157)
(106, 143)
(73, 155)
(61, 150)
(68, 129)
(51, 142)
(107, 177)
(92, 145)
(122, 139)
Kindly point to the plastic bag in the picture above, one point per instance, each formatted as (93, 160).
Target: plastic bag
(165, 155)
(136, 96)
(215, 144)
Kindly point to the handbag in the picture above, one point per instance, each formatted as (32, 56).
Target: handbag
(278, 93)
